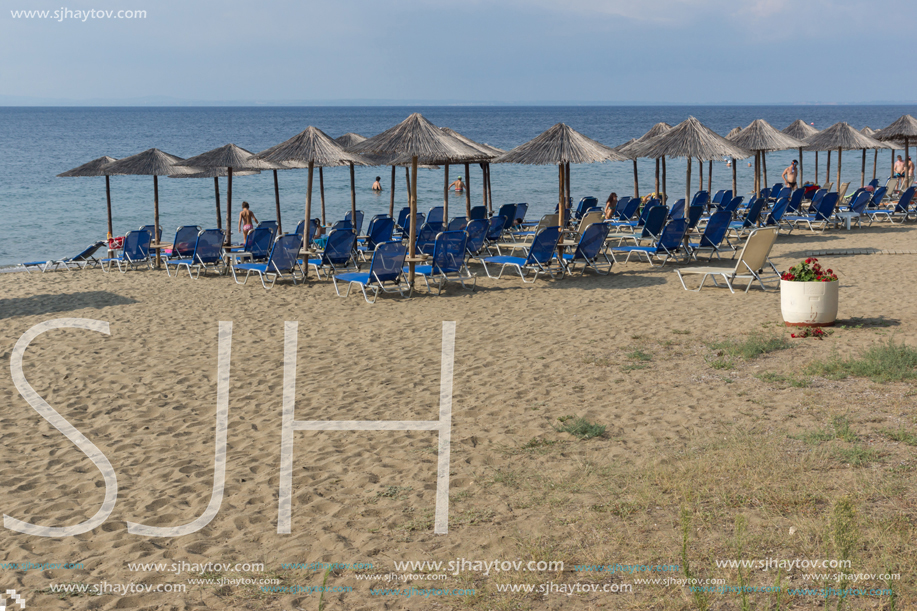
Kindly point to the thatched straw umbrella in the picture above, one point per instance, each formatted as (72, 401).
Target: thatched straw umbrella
(801, 130)
(487, 154)
(96, 167)
(216, 174)
(309, 148)
(760, 137)
(155, 163)
(561, 145)
(904, 127)
(690, 139)
(232, 158)
(841, 137)
(624, 149)
(417, 138)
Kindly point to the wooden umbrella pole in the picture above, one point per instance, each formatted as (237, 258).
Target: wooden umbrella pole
(216, 193)
(837, 186)
(277, 203)
(391, 197)
(155, 236)
(407, 180)
(561, 207)
(863, 170)
(468, 188)
(490, 194)
(892, 172)
(665, 193)
(875, 162)
(688, 194)
(828, 169)
(907, 163)
(757, 174)
(413, 235)
(229, 206)
(568, 192)
(636, 182)
(799, 181)
(710, 177)
(307, 233)
(321, 195)
(108, 204)
(764, 168)
(700, 183)
(483, 184)
(446, 192)
(657, 177)
(735, 191)
(353, 200)
(816, 167)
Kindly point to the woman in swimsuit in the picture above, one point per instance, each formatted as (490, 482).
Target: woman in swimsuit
(610, 204)
(247, 220)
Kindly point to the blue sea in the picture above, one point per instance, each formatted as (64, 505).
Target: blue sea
(42, 216)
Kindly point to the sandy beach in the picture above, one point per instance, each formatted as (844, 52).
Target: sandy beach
(687, 434)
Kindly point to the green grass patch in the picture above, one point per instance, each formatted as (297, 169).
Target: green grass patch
(639, 355)
(884, 362)
(580, 427)
(750, 347)
(900, 436)
(856, 456)
(840, 429)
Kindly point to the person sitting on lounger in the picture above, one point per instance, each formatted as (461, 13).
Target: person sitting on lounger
(247, 220)
(610, 204)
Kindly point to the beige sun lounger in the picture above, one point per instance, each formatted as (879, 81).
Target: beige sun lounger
(750, 265)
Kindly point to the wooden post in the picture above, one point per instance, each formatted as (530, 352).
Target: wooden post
(353, 201)
(561, 206)
(391, 197)
(837, 187)
(108, 204)
(892, 172)
(321, 195)
(863, 170)
(277, 203)
(875, 162)
(407, 180)
(710, 179)
(757, 174)
(636, 182)
(446, 194)
(229, 206)
(413, 233)
(907, 164)
(764, 168)
(799, 181)
(828, 169)
(216, 192)
(490, 193)
(468, 189)
(657, 177)
(735, 191)
(816, 167)
(155, 236)
(568, 193)
(483, 184)
(688, 194)
(665, 193)
(308, 234)
(700, 184)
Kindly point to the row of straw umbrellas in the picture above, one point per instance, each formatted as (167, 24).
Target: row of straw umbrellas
(416, 142)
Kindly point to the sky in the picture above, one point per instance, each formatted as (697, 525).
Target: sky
(469, 52)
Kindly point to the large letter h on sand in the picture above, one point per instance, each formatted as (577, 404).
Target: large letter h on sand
(290, 424)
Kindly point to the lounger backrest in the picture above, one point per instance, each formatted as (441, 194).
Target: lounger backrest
(478, 213)
(843, 190)
(339, 247)
(726, 199)
(700, 198)
(756, 250)
(388, 261)
(588, 219)
(673, 234)
(905, 200)
(508, 212)
(862, 200)
(626, 211)
(754, 212)
(426, 236)
(874, 183)
(449, 252)
(314, 225)
(646, 210)
(778, 186)
(678, 210)
(457, 224)
(86, 253)
(694, 215)
(185, 239)
(716, 229)
(733, 205)
(795, 200)
(435, 216)
(357, 222)
(543, 246)
(765, 193)
(655, 220)
(300, 227)
(816, 199)
(345, 224)
(828, 186)
(877, 196)
(784, 192)
(136, 245)
(495, 228)
(592, 241)
(403, 217)
(521, 211)
(268, 225)
(149, 228)
(209, 245)
(381, 228)
(619, 207)
(826, 207)
(262, 241)
(777, 212)
(285, 253)
(477, 235)
(584, 204)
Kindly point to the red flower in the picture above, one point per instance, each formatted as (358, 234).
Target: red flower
(830, 271)
(792, 335)
(808, 260)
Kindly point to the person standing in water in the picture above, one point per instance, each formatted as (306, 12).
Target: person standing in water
(899, 172)
(377, 186)
(789, 175)
(247, 220)
(458, 184)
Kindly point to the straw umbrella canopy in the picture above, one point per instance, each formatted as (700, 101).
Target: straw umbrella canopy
(760, 136)
(216, 174)
(155, 163)
(904, 127)
(801, 130)
(423, 142)
(232, 158)
(657, 130)
(690, 139)
(561, 145)
(841, 137)
(487, 154)
(96, 167)
(309, 148)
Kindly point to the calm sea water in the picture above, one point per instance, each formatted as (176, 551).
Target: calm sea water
(42, 216)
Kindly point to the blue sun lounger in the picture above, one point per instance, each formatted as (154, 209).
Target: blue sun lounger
(84, 259)
(713, 236)
(591, 246)
(284, 259)
(385, 268)
(135, 251)
(338, 252)
(208, 252)
(668, 246)
(538, 260)
(448, 260)
(183, 244)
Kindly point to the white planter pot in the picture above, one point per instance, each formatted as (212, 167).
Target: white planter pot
(808, 304)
